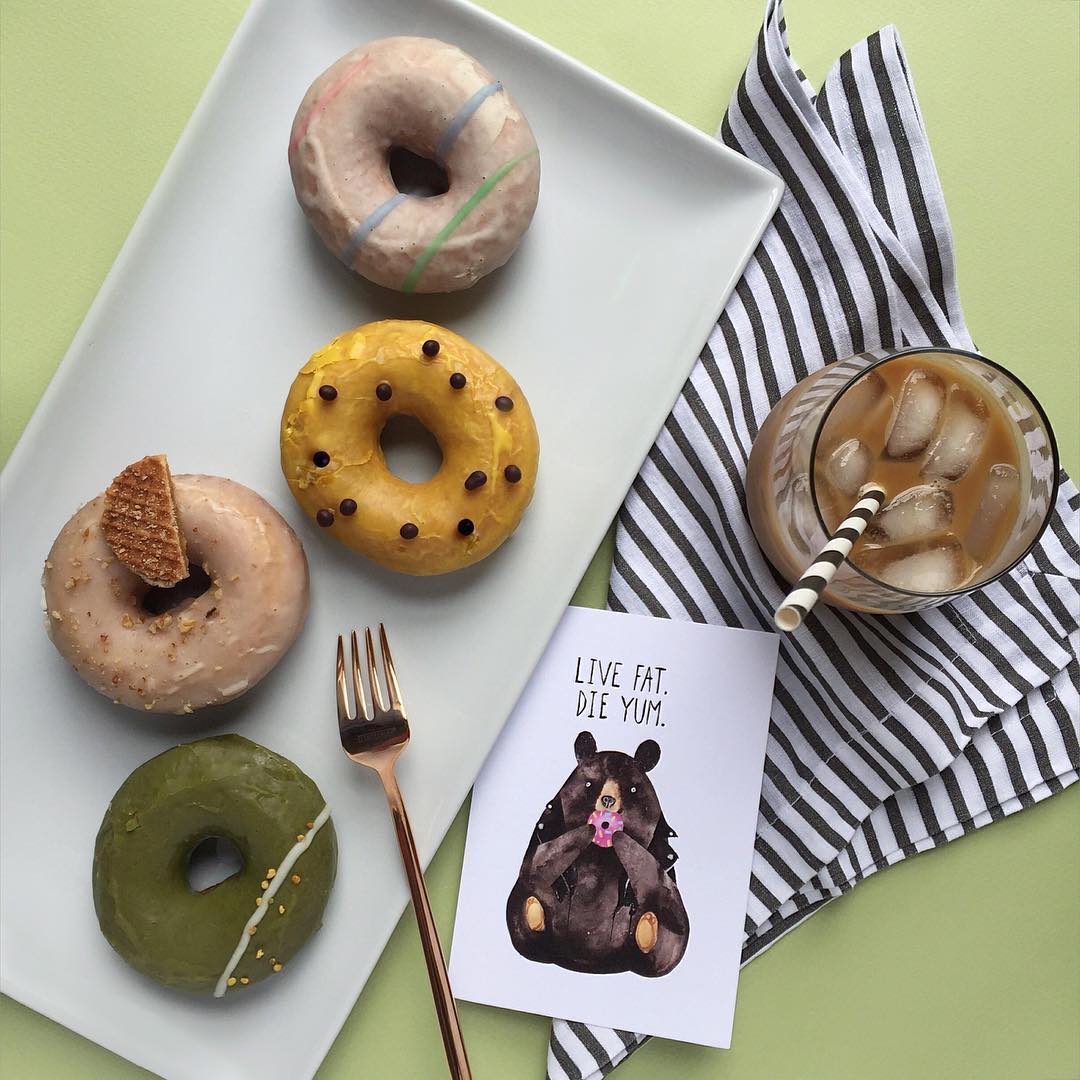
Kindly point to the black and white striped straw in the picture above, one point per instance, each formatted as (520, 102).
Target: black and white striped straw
(790, 614)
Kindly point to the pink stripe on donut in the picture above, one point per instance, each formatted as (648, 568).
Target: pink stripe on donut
(325, 100)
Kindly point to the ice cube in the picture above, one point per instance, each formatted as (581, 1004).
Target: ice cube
(915, 418)
(916, 513)
(938, 569)
(961, 436)
(858, 402)
(848, 466)
(999, 502)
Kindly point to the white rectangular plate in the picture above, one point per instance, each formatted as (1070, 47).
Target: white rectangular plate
(219, 295)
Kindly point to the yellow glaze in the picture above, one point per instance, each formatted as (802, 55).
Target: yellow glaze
(473, 434)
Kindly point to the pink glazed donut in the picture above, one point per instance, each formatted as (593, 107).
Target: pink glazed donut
(205, 652)
(430, 98)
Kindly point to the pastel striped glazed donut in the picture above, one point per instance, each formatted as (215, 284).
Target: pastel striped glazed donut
(436, 101)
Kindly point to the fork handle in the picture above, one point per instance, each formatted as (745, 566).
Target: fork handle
(445, 1008)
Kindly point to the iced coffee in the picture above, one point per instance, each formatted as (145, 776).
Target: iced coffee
(965, 456)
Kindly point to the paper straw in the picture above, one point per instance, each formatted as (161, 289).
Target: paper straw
(790, 614)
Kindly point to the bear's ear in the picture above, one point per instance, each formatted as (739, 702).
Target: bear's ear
(647, 754)
(584, 745)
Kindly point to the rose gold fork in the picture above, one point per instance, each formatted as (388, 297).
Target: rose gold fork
(376, 739)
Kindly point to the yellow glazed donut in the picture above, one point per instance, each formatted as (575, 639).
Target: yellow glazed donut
(330, 453)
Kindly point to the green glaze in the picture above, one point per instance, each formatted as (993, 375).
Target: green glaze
(429, 253)
(223, 786)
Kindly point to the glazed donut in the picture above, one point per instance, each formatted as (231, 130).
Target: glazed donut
(101, 617)
(330, 453)
(430, 98)
(247, 927)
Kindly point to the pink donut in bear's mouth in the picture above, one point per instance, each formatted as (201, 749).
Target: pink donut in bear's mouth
(606, 824)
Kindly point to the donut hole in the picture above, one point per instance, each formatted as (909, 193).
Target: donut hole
(415, 175)
(412, 453)
(212, 860)
(157, 601)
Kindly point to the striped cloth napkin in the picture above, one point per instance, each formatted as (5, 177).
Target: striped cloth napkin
(889, 735)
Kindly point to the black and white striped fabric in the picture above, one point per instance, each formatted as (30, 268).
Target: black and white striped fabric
(889, 735)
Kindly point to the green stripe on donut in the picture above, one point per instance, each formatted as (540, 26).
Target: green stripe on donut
(429, 253)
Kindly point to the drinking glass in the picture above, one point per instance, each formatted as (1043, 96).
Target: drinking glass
(782, 499)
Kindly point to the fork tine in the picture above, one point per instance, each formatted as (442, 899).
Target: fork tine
(358, 683)
(342, 694)
(373, 675)
(391, 673)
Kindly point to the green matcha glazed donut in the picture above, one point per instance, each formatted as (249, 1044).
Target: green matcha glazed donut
(249, 926)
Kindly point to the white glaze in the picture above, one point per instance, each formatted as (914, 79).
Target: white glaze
(411, 92)
(224, 642)
(284, 868)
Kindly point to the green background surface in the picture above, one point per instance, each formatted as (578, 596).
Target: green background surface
(960, 963)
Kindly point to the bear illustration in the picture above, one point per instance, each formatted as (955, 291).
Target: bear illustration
(597, 891)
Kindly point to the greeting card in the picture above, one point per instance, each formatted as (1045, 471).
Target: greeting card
(612, 828)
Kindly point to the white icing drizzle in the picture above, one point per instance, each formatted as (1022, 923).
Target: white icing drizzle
(283, 869)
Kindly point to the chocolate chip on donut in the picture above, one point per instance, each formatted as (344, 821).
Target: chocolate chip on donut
(442, 105)
(430, 347)
(327, 392)
(478, 442)
(504, 404)
(347, 507)
(457, 380)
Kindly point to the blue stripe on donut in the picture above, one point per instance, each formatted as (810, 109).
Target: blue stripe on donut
(464, 114)
(364, 229)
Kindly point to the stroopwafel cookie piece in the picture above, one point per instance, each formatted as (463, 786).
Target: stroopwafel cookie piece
(141, 525)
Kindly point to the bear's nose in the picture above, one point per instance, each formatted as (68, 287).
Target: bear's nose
(608, 801)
